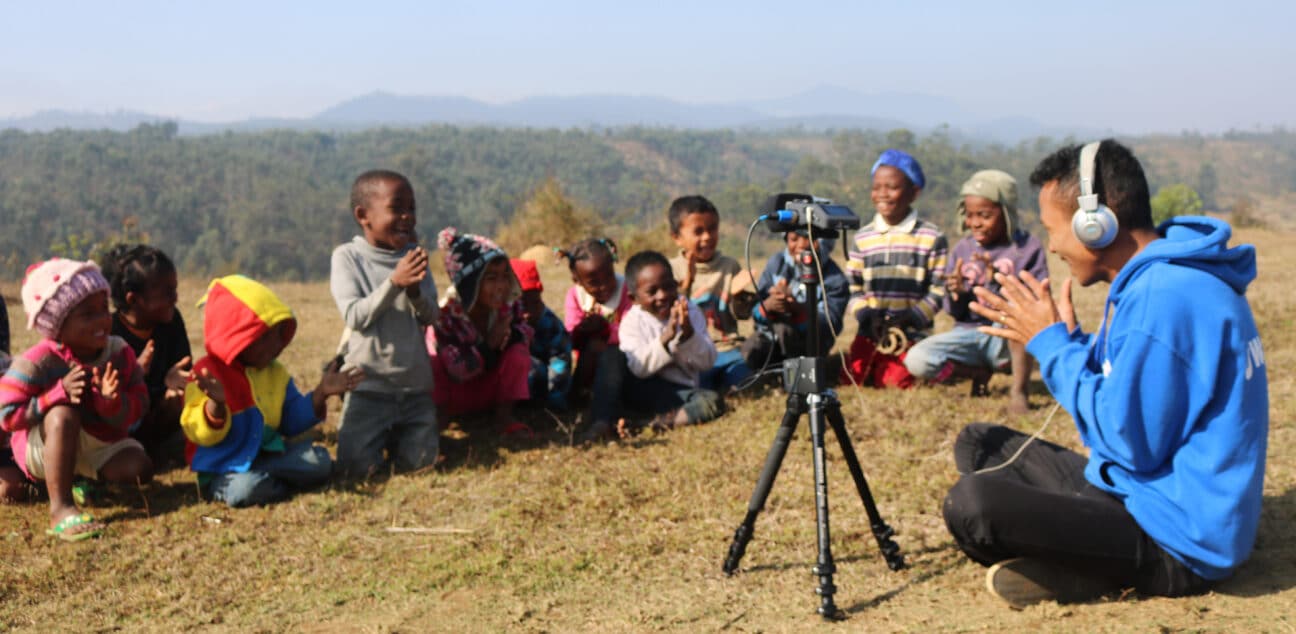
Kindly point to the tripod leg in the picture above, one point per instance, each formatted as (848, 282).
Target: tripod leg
(881, 531)
(773, 460)
(824, 568)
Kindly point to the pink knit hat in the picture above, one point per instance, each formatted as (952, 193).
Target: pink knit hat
(54, 287)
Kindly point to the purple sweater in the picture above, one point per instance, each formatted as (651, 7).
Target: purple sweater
(1023, 253)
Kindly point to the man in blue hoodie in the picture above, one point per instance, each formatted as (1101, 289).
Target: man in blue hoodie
(1169, 393)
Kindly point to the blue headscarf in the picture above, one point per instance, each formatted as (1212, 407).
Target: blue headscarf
(903, 162)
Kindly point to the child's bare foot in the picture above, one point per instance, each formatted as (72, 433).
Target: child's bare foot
(625, 430)
(69, 523)
(1018, 404)
(668, 421)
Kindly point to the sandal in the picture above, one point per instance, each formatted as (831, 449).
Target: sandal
(72, 528)
(86, 493)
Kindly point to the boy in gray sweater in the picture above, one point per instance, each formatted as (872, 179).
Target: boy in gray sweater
(382, 285)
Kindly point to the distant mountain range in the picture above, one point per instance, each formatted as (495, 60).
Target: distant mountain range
(821, 108)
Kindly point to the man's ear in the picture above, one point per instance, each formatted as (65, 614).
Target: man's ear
(131, 298)
(917, 192)
(361, 215)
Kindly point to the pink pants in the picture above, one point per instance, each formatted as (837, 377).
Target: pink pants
(505, 382)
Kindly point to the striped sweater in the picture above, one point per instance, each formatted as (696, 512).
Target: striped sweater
(33, 386)
(898, 267)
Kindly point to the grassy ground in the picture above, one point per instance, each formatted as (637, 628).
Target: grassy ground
(630, 537)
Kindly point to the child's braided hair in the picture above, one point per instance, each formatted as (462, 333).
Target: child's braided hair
(130, 267)
(588, 249)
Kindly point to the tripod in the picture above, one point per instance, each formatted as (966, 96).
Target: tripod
(806, 381)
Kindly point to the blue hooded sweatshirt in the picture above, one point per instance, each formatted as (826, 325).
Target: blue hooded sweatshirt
(1171, 395)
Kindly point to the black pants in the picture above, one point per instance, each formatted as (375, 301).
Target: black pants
(1041, 506)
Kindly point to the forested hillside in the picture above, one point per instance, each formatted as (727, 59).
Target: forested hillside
(273, 204)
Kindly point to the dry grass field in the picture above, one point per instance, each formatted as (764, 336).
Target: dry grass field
(545, 536)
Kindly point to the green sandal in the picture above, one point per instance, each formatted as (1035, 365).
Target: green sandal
(86, 493)
(66, 529)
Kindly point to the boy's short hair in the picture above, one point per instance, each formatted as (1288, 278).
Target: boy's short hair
(1118, 180)
(685, 205)
(639, 262)
(363, 186)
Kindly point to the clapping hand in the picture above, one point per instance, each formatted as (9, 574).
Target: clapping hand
(145, 358)
(177, 377)
(75, 383)
(337, 381)
(777, 301)
(108, 383)
(954, 280)
(411, 270)
(215, 391)
(683, 323)
(1025, 307)
(686, 284)
(210, 385)
(591, 323)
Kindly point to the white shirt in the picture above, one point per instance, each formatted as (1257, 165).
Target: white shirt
(678, 361)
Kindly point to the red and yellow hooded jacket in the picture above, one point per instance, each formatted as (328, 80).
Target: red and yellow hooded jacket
(237, 312)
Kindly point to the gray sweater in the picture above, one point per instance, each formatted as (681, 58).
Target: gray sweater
(384, 326)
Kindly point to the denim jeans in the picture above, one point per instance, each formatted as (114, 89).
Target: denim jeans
(965, 346)
(656, 395)
(728, 370)
(616, 388)
(403, 426)
(273, 476)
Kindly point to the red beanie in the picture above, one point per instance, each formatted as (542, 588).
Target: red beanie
(527, 274)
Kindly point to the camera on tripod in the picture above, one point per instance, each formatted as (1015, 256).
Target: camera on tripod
(789, 212)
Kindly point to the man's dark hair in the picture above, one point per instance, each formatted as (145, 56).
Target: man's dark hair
(1118, 181)
(641, 260)
(685, 205)
(364, 184)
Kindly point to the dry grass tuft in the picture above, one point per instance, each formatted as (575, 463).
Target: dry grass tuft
(630, 537)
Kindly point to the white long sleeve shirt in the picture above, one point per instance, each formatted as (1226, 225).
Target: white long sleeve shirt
(678, 361)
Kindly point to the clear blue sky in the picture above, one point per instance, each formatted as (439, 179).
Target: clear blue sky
(1129, 66)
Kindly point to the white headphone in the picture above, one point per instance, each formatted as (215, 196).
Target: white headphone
(1093, 224)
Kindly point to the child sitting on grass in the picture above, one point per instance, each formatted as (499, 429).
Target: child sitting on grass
(595, 305)
(895, 269)
(782, 318)
(706, 280)
(242, 407)
(995, 242)
(666, 346)
(551, 348)
(13, 486)
(69, 401)
(480, 345)
(142, 284)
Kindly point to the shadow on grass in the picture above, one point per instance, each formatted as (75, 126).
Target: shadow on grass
(1272, 567)
(922, 577)
(870, 552)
